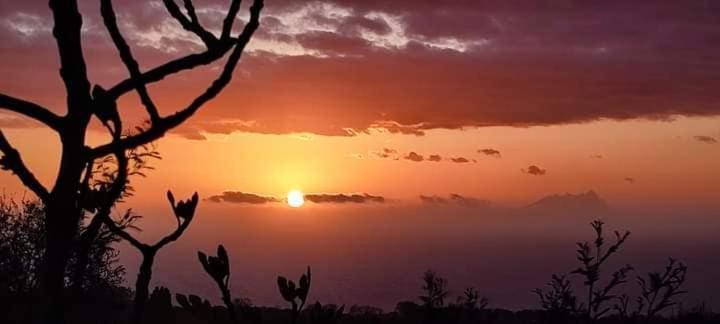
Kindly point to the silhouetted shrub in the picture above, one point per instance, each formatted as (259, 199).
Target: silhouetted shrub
(592, 261)
(325, 314)
(559, 302)
(435, 289)
(22, 245)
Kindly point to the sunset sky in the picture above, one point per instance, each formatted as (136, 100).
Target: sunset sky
(406, 103)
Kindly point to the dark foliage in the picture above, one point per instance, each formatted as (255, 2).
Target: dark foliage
(22, 244)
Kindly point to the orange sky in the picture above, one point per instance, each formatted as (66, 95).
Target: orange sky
(668, 165)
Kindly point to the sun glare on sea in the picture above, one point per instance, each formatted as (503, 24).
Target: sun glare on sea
(295, 198)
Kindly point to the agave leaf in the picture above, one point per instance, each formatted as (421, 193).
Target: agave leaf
(171, 199)
(204, 261)
(224, 259)
(284, 287)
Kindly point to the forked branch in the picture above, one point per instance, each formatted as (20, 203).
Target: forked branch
(164, 124)
(192, 24)
(126, 55)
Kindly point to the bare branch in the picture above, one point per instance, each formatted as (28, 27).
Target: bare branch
(110, 21)
(31, 110)
(67, 32)
(11, 161)
(191, 12)
(167, 123)
(190, 25)
(230, 19)
(187, 62)
(124, 234)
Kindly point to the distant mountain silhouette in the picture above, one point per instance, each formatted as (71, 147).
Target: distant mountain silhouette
(588, 202)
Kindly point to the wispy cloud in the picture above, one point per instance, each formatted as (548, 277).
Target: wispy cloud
(454, 199)
(237, 197)
(706, 139)
(339, 198)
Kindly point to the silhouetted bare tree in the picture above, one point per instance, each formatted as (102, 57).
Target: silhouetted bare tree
(64, 201)
(184, 212)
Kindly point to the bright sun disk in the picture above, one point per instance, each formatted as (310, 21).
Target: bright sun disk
(295, 198)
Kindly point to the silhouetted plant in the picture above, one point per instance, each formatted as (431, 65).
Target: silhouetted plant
(85, 101)
(435, 288)
(625, 311)
(159, 305)
(326, 314)
(592, 262)
(658, 290)
(22, 244)
(196, 306)
(471, 300)
(559, 302)
(184, 212)
(218, 267)
(296, 295)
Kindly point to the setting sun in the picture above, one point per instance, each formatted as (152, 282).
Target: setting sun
(295, 198)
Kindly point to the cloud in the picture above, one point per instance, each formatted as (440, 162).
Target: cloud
(461, 160)
(490, 152)
(629, 180)
(412, 156)
(386, 153)
(455, 199)
(354, 64)
(596, 156)
(706, 139)
(416, 157)
(344, 198)
(237, 197)
(535, 170)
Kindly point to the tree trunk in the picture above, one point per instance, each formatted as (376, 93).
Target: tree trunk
(61, 219)
(142, 284)
(58, 246)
